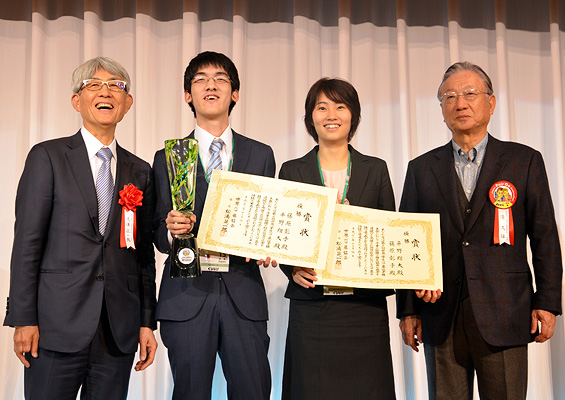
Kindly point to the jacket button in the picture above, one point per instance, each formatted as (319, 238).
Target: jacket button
(458, 281)
(100, 277)
(465, 244)
(468, 211)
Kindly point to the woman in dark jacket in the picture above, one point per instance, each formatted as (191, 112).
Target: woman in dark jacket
(338, 344)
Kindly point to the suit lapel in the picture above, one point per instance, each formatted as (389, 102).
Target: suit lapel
(490, 171)
(80, 168)
(446, 179)
(241, 152)
(201, 182)
(123, 173)
(308, 169)
(358, 176)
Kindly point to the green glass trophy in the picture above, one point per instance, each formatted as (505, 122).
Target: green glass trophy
(182, 161)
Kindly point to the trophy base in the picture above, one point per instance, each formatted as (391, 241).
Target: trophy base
(185, 262)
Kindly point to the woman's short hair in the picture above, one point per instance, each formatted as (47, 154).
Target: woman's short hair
(338, 91)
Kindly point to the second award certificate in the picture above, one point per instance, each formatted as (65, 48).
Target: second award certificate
(383, 249)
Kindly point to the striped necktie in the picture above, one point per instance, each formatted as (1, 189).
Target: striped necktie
(215, 159)
(104, 188)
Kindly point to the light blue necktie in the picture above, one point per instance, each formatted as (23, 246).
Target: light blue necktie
(104, 188)
(215, 159)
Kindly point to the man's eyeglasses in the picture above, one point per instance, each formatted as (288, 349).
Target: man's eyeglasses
(96, 84)
(469, 95)
(202, 79)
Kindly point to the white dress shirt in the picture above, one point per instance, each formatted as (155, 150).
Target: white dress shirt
(93, 145)
(205, 140)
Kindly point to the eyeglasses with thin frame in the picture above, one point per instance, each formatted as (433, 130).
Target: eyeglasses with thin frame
(469, 95)
(114, 85)
(202, 79)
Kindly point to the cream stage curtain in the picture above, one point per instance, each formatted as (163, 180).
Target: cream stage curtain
(394, 52)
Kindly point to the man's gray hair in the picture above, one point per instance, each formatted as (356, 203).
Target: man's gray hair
(89, 68)
(466, 66)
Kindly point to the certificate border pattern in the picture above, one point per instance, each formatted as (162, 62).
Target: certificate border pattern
(225, 185)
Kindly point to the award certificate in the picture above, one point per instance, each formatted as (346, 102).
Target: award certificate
(383, 249)
(253, 216)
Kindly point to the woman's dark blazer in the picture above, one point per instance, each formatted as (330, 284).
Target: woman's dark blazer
(369, 186)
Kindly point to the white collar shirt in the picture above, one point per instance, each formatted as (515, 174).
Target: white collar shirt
(205, 140)
(93, 145)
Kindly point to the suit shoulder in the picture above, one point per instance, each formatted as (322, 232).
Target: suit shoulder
(53, 144)
(258, 146)
(515, 147)
(135, 159)
(297, 162)
(51, 149)
(425, 158)
(288, 168)
(159, 157)
(375, 161)
(291, 164)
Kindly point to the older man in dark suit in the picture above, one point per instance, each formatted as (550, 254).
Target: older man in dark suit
(491, 196)
(82, 288)
(225, 312)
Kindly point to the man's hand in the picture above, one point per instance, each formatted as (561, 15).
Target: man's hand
(266, 262)
(303, 276)
(411, 327)
(178, 224)
(429, 296)
(547, 320)
(147, 348)
(26, 340)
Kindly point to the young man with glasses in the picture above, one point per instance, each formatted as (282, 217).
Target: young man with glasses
(491, 196)
(79, 299)
(222, 313)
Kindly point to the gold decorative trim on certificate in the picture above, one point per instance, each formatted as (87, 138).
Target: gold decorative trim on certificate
(254, 216)
(383, 250)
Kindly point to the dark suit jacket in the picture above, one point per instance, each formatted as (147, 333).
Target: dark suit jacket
(180, 299)
(369, 186)
(498, 276)
(59, 253)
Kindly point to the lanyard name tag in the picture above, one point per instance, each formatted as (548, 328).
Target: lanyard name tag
(212, 261)
(337, 291)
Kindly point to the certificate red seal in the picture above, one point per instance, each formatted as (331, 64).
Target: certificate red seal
(503, 195)
(130, 199)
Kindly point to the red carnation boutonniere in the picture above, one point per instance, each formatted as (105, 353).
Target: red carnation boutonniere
(130, 199)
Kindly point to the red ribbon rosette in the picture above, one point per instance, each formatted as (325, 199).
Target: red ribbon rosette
(503, 195)
(130, 199)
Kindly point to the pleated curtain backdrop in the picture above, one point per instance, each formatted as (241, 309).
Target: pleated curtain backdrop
(394, 53)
